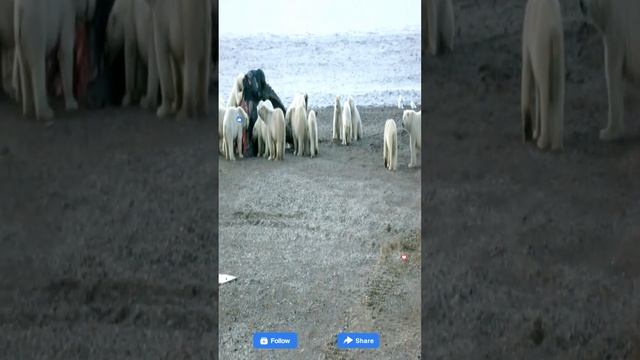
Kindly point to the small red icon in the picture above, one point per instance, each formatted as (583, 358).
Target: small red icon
(404, 257)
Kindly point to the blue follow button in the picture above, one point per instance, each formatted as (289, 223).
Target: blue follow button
(358, 341)
(275, 340)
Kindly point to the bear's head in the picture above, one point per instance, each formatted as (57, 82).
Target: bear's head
(407, 119)
(264, 109)
(595, 11)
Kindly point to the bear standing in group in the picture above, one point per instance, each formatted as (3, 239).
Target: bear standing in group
(440, 26)
(618, 21)
(235, 96)
(543, 74)
(312, 126)
(412, 122)
(182, 35)
(337, 120)
(235, 120)
(297, 116)
(130, 27)
(390, 145)
(274, 121)
(40, 26)
(346, 133)
(356, 122)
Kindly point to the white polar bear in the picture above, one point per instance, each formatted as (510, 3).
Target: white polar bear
(298, 118)
(235, 120)
(356, 122)
(390, 146)
(182, 33)
(440, 25)
(312, 126)
(346, 133)
(543, 74)
(130, 27)
(412, 121)
(337, 120)
(274, 121)
(618, 23)
(261, 135)
(266, 138)
(40, 26)
(235, 96)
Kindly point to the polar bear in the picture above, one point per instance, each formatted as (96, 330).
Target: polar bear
(235, 120)
(617, 21)
(337, 120)
(274, 121)
(412, 122)
(266, 138)
(40, 26)
(390, 146)
(299, 99)
(440, 26)
(130, 27)
(261, 136)
(356, 122)
(182, 34)
(235, 96)
(312, 126)
(543, 74)
(298, 119)
(346, 133)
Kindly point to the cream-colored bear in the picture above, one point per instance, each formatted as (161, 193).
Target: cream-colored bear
(130, 27)
(40, 26)
(298, 115)
(440, 25)
(274, 121)
(356, 122)
(235, 120)
(312, 126)
(346, 133)
(543, 74)
(337, 120)
(182, 33)
(261, 135)
(412, 121)
(235, 96)
(618, 22)
(390, 146)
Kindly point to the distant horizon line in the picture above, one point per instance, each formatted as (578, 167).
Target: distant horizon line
(348, 32)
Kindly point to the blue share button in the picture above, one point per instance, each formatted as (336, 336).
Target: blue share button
(358, 341)
(275, 340)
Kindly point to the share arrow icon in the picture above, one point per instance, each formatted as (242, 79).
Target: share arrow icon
(348, 340)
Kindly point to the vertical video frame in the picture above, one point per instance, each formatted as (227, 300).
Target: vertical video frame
(319, 134)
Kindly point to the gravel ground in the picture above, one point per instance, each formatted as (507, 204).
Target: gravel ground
(107, 236)
(316, 246)
(530, 255)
